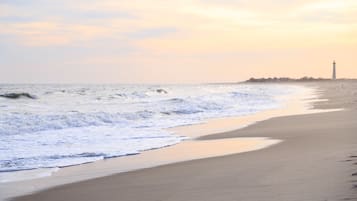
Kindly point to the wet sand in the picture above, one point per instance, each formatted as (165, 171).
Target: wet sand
(315, 161)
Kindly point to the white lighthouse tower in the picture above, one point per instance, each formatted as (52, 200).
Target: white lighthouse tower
(334, 71)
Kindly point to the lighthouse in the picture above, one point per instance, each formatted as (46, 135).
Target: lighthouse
(334, 71)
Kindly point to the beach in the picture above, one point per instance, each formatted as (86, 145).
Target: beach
(107, 100)
(314, 161)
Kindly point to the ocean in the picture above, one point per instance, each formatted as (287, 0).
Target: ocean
(50, 126)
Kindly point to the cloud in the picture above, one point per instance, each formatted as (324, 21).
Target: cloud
(17, 2)
(152, 33)
(15, 19)
(51, 33)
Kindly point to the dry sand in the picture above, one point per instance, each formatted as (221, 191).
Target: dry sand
(314, 162)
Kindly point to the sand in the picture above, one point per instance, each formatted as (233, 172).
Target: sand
(315, 161)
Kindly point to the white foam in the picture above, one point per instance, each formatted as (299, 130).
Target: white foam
(75, 124)
(26, 175)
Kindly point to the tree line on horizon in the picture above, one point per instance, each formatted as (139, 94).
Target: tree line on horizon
(286, 79)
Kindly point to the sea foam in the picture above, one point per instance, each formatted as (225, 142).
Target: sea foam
(73, 124)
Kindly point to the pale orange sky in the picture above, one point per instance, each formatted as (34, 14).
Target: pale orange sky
(174, 41)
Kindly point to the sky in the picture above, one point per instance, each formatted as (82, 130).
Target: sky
(175, 41)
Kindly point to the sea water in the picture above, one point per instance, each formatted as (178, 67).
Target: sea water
(50, 126)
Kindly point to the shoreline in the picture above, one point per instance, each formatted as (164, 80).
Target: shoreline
(297, 104)
(208, 129)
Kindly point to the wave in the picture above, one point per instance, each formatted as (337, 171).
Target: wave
(29, 163)
(176, 100)
(186, 111)
(72, 125)
(18, 95)
(161, 91)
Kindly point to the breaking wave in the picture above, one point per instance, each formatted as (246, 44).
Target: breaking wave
(75, 124)
(18, 95)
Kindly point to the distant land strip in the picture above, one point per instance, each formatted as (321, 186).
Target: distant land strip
(287, 79)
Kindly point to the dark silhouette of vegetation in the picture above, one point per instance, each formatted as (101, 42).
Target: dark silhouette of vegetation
(286, 79)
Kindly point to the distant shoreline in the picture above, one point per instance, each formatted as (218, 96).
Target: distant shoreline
(287, 79)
